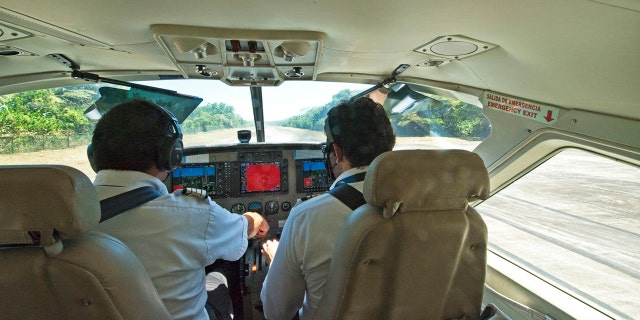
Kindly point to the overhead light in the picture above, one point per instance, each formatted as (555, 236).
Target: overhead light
(289, 50)
(204, 50)
(199, 47)
(453, 47)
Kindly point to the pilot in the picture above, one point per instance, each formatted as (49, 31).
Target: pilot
(175, 235)
(357, 132)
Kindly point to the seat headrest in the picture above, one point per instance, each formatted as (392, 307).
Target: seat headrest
(425, 180)
(43, 203)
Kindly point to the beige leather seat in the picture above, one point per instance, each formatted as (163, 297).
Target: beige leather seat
(50, 266)
(416, 250)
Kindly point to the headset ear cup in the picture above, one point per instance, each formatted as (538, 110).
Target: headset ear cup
(176, 154)
(91, 156)
(169, 148)
(169, 154)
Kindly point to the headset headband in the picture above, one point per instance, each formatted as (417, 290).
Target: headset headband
(174, 120)
(327, 130)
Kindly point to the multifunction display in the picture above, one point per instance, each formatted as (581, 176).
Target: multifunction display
(311, 176)
(260, 177)
(195, 176)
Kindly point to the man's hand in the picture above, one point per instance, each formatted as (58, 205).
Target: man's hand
(257, 227)
(269, 249)
(378, 96)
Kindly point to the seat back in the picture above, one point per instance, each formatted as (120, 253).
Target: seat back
(416, 249)
(51, 266)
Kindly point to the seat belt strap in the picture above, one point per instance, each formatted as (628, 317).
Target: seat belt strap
(348, 195)
(118, 204)
(354, 178)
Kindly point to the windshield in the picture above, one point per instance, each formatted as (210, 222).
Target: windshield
(54, 126)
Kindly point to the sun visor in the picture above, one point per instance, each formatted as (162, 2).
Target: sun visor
(405, 100)
(179, 105)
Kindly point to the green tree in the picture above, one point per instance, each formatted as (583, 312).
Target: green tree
(79, 97)
(411, 125)
(453, 118)
(313, 119)
(213, 116)
(41, 112)
(464, 120)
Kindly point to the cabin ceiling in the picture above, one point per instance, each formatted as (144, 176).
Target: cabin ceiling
(574, 54)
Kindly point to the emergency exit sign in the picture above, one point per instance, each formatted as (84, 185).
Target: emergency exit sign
(521, 108)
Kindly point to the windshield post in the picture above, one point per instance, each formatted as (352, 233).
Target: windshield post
(258, 115)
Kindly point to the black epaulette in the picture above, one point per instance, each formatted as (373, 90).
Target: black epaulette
(311, 196)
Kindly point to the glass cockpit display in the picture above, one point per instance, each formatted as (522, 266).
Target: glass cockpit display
(314, 176)
(260, 177)
(199, 176)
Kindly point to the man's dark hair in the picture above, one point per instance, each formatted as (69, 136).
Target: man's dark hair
(128, 136)
(361, 128)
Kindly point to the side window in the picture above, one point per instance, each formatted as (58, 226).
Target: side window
(574, 221)
(47, 126)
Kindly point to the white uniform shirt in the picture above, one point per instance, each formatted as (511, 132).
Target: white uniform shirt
(175, 237)
(297, 275)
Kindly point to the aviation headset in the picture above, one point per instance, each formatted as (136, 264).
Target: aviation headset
(169, 148)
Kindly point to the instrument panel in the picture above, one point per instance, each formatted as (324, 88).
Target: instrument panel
(265, 178)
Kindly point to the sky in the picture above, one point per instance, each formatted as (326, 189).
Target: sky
(281, 102)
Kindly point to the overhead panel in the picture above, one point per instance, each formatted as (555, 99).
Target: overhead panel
(240, 56)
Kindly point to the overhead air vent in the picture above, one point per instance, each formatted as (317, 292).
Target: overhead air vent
(452, 48)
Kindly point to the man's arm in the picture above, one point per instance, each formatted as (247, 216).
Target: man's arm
(284, 286)
(257, 226)
(227, 233)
